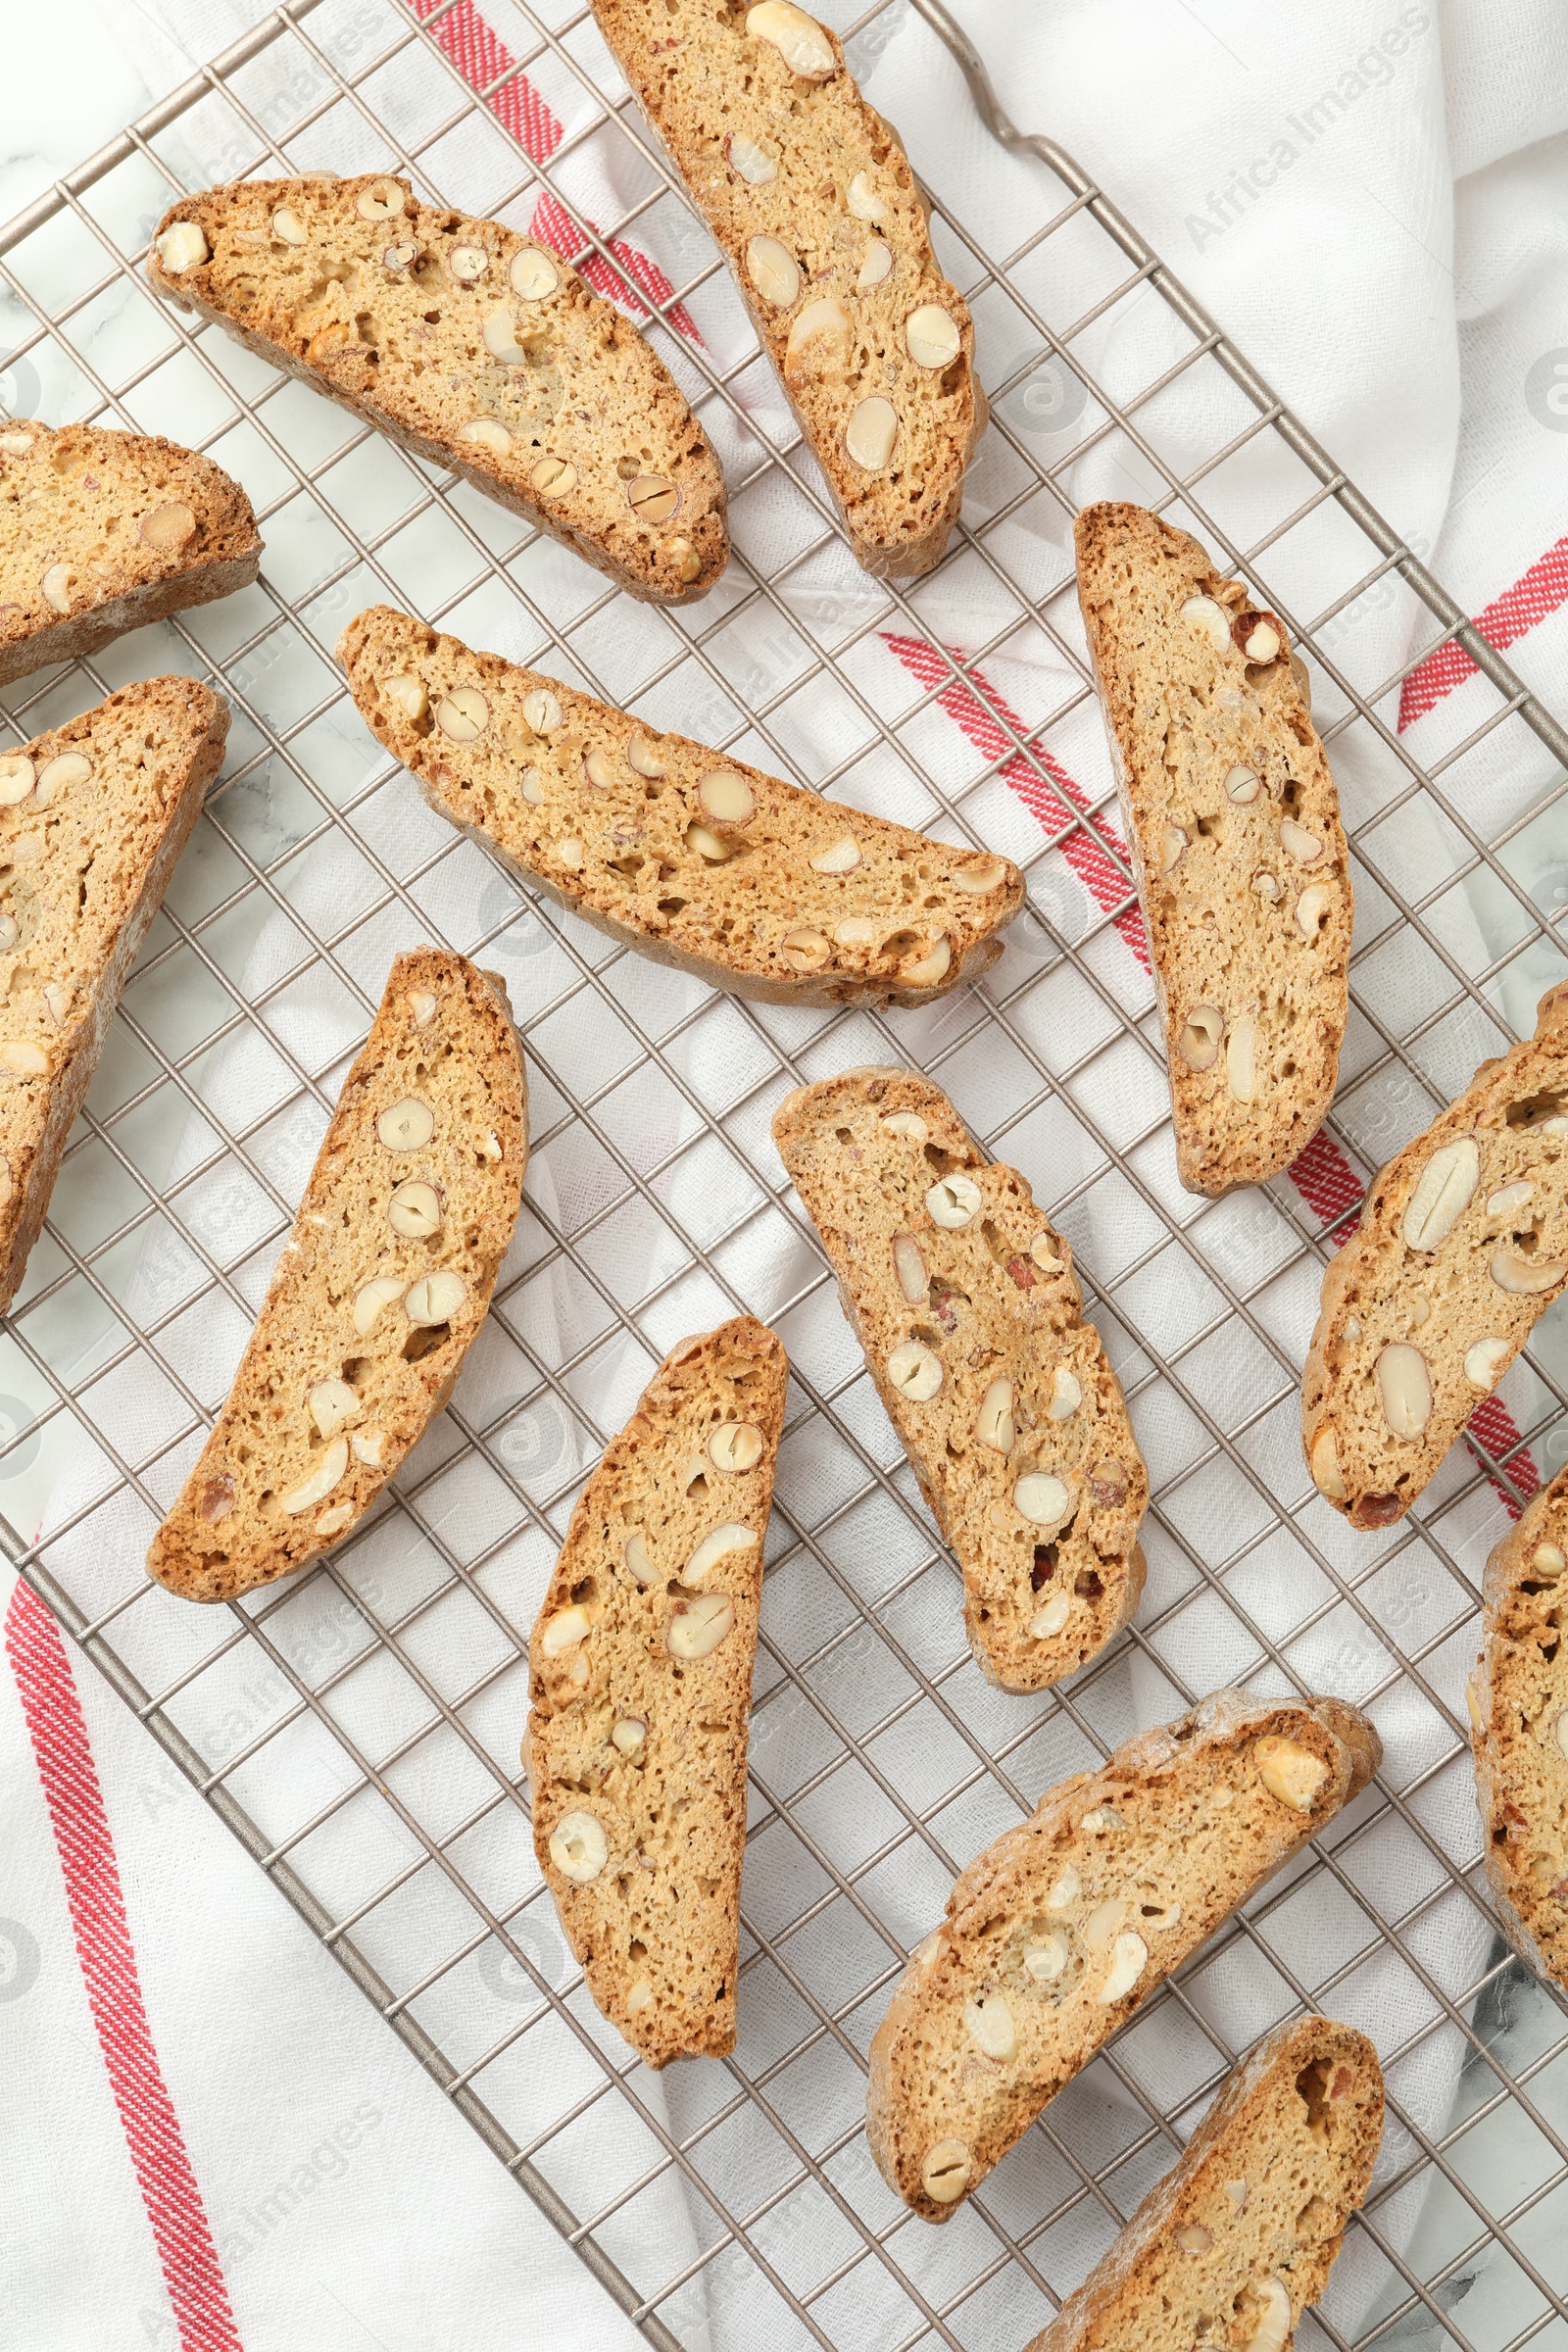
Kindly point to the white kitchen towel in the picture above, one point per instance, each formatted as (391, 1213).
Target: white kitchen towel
(1299, 175)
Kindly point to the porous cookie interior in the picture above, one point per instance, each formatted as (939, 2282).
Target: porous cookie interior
(1241, 2237)
(86, 516)
(1462, 1248)
(965, 1302)
(660, 835)
(459, 330)
(1234, 819)
(383, 1284)
(812, 198)
(82, 812)
(1064, 1925)
(641, 1679)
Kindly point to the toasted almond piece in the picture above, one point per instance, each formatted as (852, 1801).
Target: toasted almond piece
(1405, 1387)
(287, 226)
(434, 1299)
(1312, 908)
(468, 263)
(462, 715)
(905, 1123)
(406, 1126)
(1066, 1394)
(910, 1267)
(993, 1421)
(981, 875)
(990, 2026)
(1289, 1771)
(945, 2173)
(1509, 1199)
(707, 843)
(1243, 785)
(334, 1405)
(749, 159)
(55, 587)
(1526, 1277)
(597, 771)
(697, 1625)
(1209, 619)
(169, 527)
(554, 476)
(629, 1733)
(316, 1489)
(863, 201)
(876, 267)
(1048, 1622)
(1305, 847)
(652, 497)
(804, 950)
(23, 1058)
(841, 859)
(409, 694)
(773, 271)
(1241, 1058)
(17, 777)
(1484, 1360)
(955, 1200)
(641, 756)
(182, 247)
(1043, 1499)
(931, 336)
(1200, 1038)
(1327, 1475)
(915, 1371)
(415, 1209)
(799, 38)
(726, 797)
(542, 710)
(856, 931)
(871, 432)
(1444, 1191)
(735, 1446)
(371, 1297)
(1129, 1957)
(564, 1631)
(382, 200)
(486, 432)
(929, 965)
(715, 1546)
(820, 337)
(533, 275)
(578, 1846)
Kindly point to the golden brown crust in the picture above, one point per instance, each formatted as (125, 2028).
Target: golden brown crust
(1518, 1702)
(636, 1745)
(1247, 2222)
(999, 1304)
(1426, 1333)
(1064, 1927)
(341, 1378)
(86, 859)
(1246, 902)
(550, 403)
(77, 569)
(836, 203)
(746, 910)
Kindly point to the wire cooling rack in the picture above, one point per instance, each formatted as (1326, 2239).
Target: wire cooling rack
(358, 1730)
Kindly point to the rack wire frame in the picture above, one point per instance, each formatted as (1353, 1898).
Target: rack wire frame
(881, 2261)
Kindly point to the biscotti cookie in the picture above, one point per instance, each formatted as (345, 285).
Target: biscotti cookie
(965, 1302)
(1233, 831)
(93, 816)
(1462, 1247)
(469, 345)
(640, 1672)
(101, 532)
(811, 200)
(1061, 1929)
(379, 1290)
(1240, 2236)
(754, 885)
(1518, 1702)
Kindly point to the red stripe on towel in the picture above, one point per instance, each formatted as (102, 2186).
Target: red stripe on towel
(58, 1729)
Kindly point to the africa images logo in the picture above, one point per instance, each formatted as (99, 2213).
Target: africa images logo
(1373, 69)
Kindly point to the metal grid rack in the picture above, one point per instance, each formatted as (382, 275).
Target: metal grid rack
(358, 1730)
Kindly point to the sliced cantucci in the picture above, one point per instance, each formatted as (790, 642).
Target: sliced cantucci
(378, 1291)
(1249, 2221)
(1462, 1246)
(468, 345)
(641, 1682)
(101, 532)
(93, 816)
(756, 885)
(1057, 1933)
(973, 1328)
(812, 202)
(1234, 839)
(1518, 1703)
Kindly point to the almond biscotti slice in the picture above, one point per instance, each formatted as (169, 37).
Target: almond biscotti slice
(379, 1290)
(469, 345)
(640, 1672)
(1240, 2236)
(1518, 1702)
(93, 816)
(1233, 829)
(1061, 1929)
(754, 885)
(101, 532)
(1462, 1247)
(965, 1302)
(812, 201)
